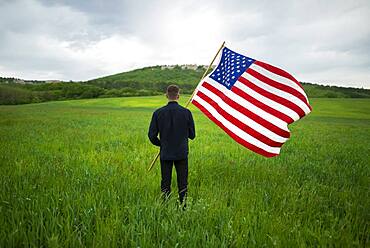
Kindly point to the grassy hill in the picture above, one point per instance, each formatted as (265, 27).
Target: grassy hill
(141, 82)
(153, 76)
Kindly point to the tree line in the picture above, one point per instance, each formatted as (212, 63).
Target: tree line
(141, 82)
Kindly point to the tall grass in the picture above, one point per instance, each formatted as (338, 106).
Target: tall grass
(74, 174)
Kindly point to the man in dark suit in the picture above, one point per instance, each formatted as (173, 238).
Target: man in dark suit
(175, 125)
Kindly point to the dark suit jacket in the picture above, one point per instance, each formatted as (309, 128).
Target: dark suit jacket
(175, 125)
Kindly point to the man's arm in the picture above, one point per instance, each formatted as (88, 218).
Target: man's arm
(191, 126)
(153, 131)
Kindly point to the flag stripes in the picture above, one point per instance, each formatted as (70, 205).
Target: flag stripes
(263, 96)
(282, 87)
(241, 112)
(247, 102)
(233, 131)
(277, 78)
(264, 107)
(275, 91)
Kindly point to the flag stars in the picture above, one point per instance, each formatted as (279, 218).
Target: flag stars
(231, 66)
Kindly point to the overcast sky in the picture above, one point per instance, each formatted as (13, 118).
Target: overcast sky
(316, 41)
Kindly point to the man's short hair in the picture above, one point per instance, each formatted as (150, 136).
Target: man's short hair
(172, 91)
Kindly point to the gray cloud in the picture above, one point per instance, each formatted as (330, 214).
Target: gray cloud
(317, 41)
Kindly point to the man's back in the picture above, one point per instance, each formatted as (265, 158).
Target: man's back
(175, 125)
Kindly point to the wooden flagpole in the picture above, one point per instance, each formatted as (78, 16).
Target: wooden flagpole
(188, 102)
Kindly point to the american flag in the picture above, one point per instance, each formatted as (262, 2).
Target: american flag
(252, 101)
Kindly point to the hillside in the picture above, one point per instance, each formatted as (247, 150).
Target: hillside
(155, 78)
(140, 82)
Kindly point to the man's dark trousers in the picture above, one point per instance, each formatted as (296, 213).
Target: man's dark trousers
(182, 177)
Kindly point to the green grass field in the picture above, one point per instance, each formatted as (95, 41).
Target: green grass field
(74, 173)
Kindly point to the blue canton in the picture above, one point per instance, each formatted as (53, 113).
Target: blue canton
(230, 68)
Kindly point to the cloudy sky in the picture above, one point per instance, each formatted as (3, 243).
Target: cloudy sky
(317, 41)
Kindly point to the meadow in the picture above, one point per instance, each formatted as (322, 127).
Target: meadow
(74, 174)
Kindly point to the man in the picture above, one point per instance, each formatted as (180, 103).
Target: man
(175, 125)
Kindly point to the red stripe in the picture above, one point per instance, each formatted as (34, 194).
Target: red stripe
(246, 112)
(252, 132)
(277, 71)
(278, 85)
(261, 105)
(273, 97)
(233, 135)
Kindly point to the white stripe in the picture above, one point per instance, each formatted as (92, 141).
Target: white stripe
(277, 92)
(275, 105)
(243, 118)
(250, 106)
(278, 78)
(237, 131)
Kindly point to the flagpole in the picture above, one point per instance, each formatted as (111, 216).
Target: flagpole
(188, 102)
